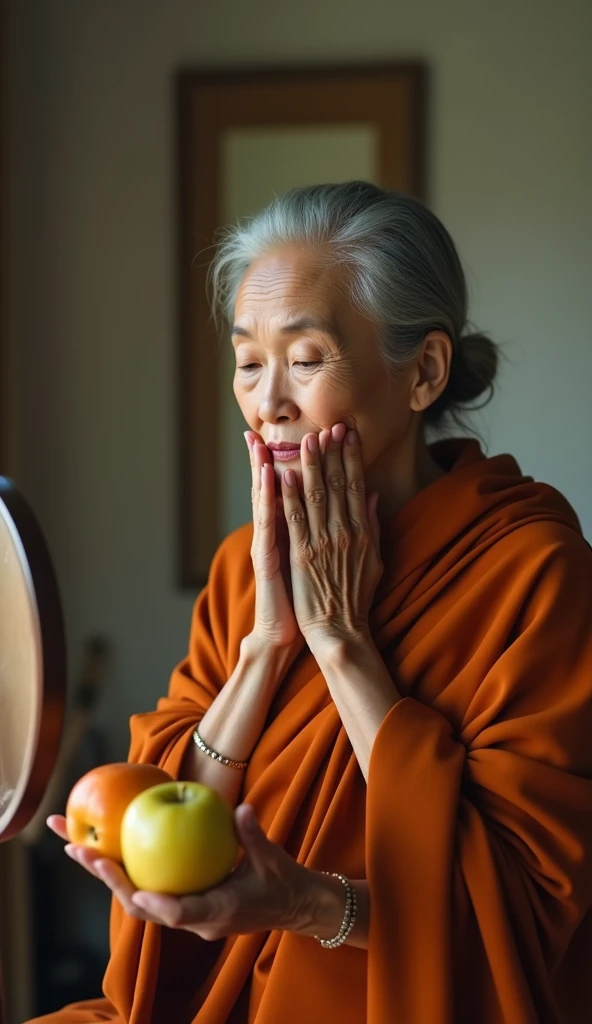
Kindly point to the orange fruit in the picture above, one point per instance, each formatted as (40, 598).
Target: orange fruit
(99, 799)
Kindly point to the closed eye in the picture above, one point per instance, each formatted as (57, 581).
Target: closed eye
(307, 364)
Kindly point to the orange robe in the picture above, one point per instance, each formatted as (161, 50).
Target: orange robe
(475, 828)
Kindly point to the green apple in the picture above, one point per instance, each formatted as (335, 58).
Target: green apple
(178, 838)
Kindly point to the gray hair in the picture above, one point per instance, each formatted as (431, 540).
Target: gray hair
(406, 275)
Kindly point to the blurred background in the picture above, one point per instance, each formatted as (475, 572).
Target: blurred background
(89, 354)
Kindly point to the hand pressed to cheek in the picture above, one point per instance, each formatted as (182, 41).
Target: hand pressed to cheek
(334, 539)
(274, 624)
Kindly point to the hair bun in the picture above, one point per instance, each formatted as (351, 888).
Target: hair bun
(473, 369)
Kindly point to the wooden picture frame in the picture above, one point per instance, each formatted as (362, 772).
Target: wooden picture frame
(391, 98)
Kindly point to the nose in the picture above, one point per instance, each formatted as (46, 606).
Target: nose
(277, 405)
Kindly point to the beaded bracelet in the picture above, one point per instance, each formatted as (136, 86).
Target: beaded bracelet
(349, 917)
(217, 757)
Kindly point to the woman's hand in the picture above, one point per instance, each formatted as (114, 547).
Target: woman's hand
(275, 622)
(268, 890)
(334, 540)
(97, 865)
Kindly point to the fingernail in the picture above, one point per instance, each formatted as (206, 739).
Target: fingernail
(248, 439)
(312, 442)
(351, 437)
(290, 477)
(338, 432)
(70, 851)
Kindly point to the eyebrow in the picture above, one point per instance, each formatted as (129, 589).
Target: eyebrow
(305, 323)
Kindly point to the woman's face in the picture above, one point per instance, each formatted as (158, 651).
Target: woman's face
(307, 359)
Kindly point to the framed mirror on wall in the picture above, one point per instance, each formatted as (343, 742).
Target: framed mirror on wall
(244, 137)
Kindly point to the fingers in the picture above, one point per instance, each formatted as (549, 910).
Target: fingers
(120, 885)
(265, 514)
(263, 496)
(146, 906)
(174, 911)
(337, 519)
(84, 856)
(294, 512)
(323, 438)
(253, 839)
(334, 488)
(117, 881)
(313, 486)
(57, 824)
(355, 482)
(252, 440)
(107, 870)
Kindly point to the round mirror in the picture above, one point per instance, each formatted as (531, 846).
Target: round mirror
(32, 663)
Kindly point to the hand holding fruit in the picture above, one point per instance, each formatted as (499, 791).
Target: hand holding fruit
(269, 890)
(168, 839)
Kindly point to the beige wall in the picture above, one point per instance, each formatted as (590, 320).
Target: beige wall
(94, 276)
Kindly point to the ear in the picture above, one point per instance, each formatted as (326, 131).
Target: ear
(432, 370)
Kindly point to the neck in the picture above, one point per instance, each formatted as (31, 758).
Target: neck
(399, 477)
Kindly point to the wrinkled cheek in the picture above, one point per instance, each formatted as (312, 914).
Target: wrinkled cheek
(246, 402)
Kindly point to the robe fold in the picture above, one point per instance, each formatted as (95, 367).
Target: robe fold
(474, 830)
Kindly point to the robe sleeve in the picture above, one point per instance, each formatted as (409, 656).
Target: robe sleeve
(479, 839)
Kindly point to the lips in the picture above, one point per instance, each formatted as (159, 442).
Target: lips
(284, 451)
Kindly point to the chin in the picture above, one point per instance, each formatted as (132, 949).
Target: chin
(279, 472)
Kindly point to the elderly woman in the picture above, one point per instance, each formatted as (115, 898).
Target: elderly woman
(392, 667)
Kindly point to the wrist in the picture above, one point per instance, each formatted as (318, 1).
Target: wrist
(269, 662)
(341, 650)
(257, 648)
(323, 907)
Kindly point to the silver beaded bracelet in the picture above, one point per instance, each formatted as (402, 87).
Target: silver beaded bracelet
(349, 917)
(217, 757)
